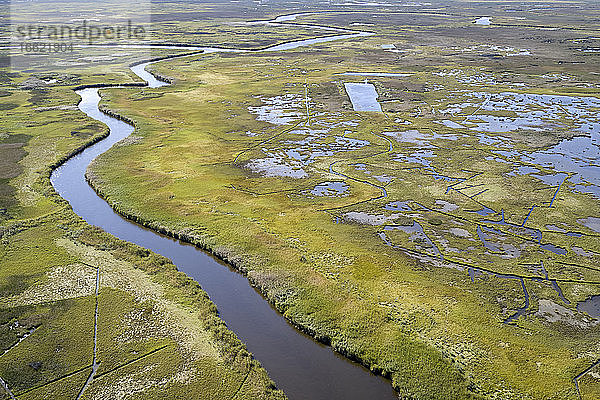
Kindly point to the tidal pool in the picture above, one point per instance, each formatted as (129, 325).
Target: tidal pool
(451, 124)
(369, 219)
(590, 306)
(579, 155)
(417, 235)
(591, 222)
(330, 189)
(398, 206)
(276, 167)
(279, 110)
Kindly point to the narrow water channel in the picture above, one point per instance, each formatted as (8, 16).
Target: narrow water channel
(302, 367)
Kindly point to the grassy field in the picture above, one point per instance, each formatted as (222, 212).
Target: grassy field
(450, 303)
(158, 334)
(51, 263)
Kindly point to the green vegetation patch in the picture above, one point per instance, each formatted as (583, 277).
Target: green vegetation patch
(370, 231)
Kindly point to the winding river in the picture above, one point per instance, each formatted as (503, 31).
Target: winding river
(302, 367)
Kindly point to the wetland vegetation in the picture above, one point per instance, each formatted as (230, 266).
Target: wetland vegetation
(438, 222)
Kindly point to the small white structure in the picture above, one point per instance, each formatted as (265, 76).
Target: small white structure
(483, 21)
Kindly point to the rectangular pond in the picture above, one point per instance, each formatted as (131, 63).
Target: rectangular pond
(363, 96)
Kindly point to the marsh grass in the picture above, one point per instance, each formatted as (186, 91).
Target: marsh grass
(420, 321)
